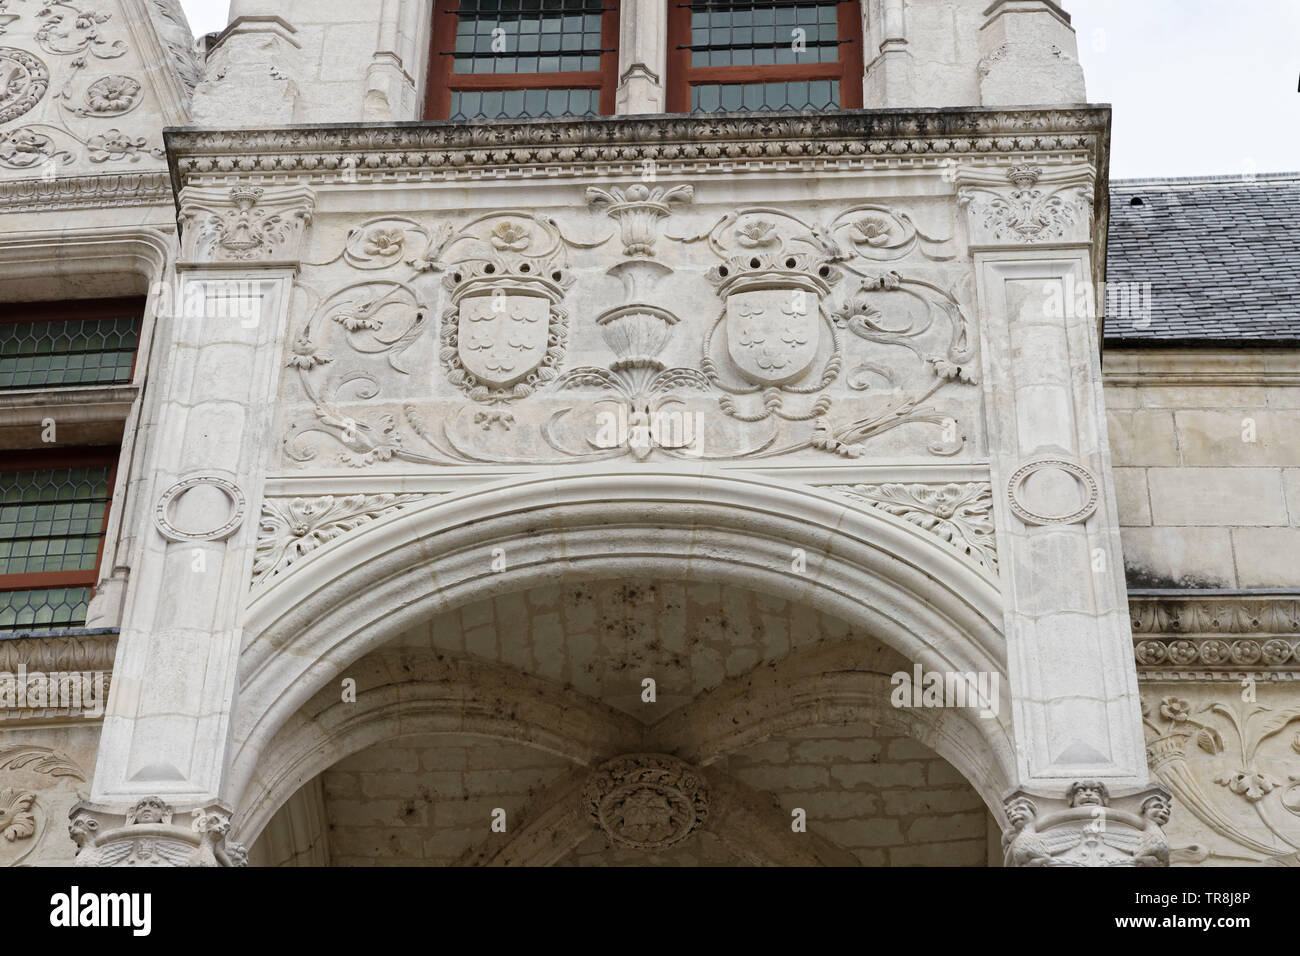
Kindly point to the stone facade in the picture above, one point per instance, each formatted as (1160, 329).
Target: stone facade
(642, 489)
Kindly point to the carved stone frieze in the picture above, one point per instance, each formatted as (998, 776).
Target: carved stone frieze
(35, 778)
(245, 224)
(293, 528)
(959, 514)
(60, 92)
(1228, 753)
(1196, 637)
(55, 678)
(1084, 829)
(646, 801)
(26, 80)
(146, 835)
(584, 147)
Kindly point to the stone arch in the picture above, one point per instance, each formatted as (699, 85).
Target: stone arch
(880, 574)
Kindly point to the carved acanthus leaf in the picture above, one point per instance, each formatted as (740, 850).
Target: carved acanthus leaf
(292, 529)
(960, 514)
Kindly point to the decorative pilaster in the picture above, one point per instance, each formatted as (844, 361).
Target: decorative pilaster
(1069, 648)
(153, 833)
(168, 724)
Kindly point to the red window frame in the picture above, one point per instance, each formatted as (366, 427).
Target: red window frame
(682, 76)
(442, 81)
(48, 460)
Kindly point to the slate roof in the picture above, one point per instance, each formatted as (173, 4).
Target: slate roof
(1221, 254)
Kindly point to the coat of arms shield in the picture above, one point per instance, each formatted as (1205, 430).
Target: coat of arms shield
(773, 334)
(502, 338)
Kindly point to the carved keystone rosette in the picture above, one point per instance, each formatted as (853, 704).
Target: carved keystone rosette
(504, 334)
(145, 835)
(647, 801)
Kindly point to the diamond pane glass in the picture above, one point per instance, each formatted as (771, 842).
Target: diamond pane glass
(527, 36)
(52, 520)
(763, 33)
(43, 608)
(511, 104)
(67, 352)
(754, 97)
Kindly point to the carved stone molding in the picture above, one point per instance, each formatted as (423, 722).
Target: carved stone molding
(646, 801)
(145, 835)
(959, 514)
(849, 139)
(1039, 206)
(80, 192)
(1198, 637)
(1084, 829)
(249, 225)
(293, 528)
(187, 510)
(55, 678)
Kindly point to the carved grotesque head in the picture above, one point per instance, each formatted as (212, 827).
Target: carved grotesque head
(1021, 812)
(1156, 809)
(1087, 793)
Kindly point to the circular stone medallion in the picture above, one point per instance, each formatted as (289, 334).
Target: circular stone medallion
(646, 801)
(24, 78)
(1053, 491)
(202, 508)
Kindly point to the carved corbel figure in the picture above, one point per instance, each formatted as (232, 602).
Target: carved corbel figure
(1084, 829)
(145, 835)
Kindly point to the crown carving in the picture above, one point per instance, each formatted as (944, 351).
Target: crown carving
(750, 272)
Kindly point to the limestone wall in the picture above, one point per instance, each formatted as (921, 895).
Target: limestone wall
(1206, 446)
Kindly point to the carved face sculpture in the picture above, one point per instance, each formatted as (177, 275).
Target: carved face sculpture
(646, 816)
(149, 810)
(1088, 793)
(1020, 813)
(1156, 810)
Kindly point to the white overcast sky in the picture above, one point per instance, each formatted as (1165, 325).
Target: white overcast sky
(1199, 86)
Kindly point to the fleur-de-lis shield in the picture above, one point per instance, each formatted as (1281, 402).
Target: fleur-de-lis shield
(773, 334)
(502, 338)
